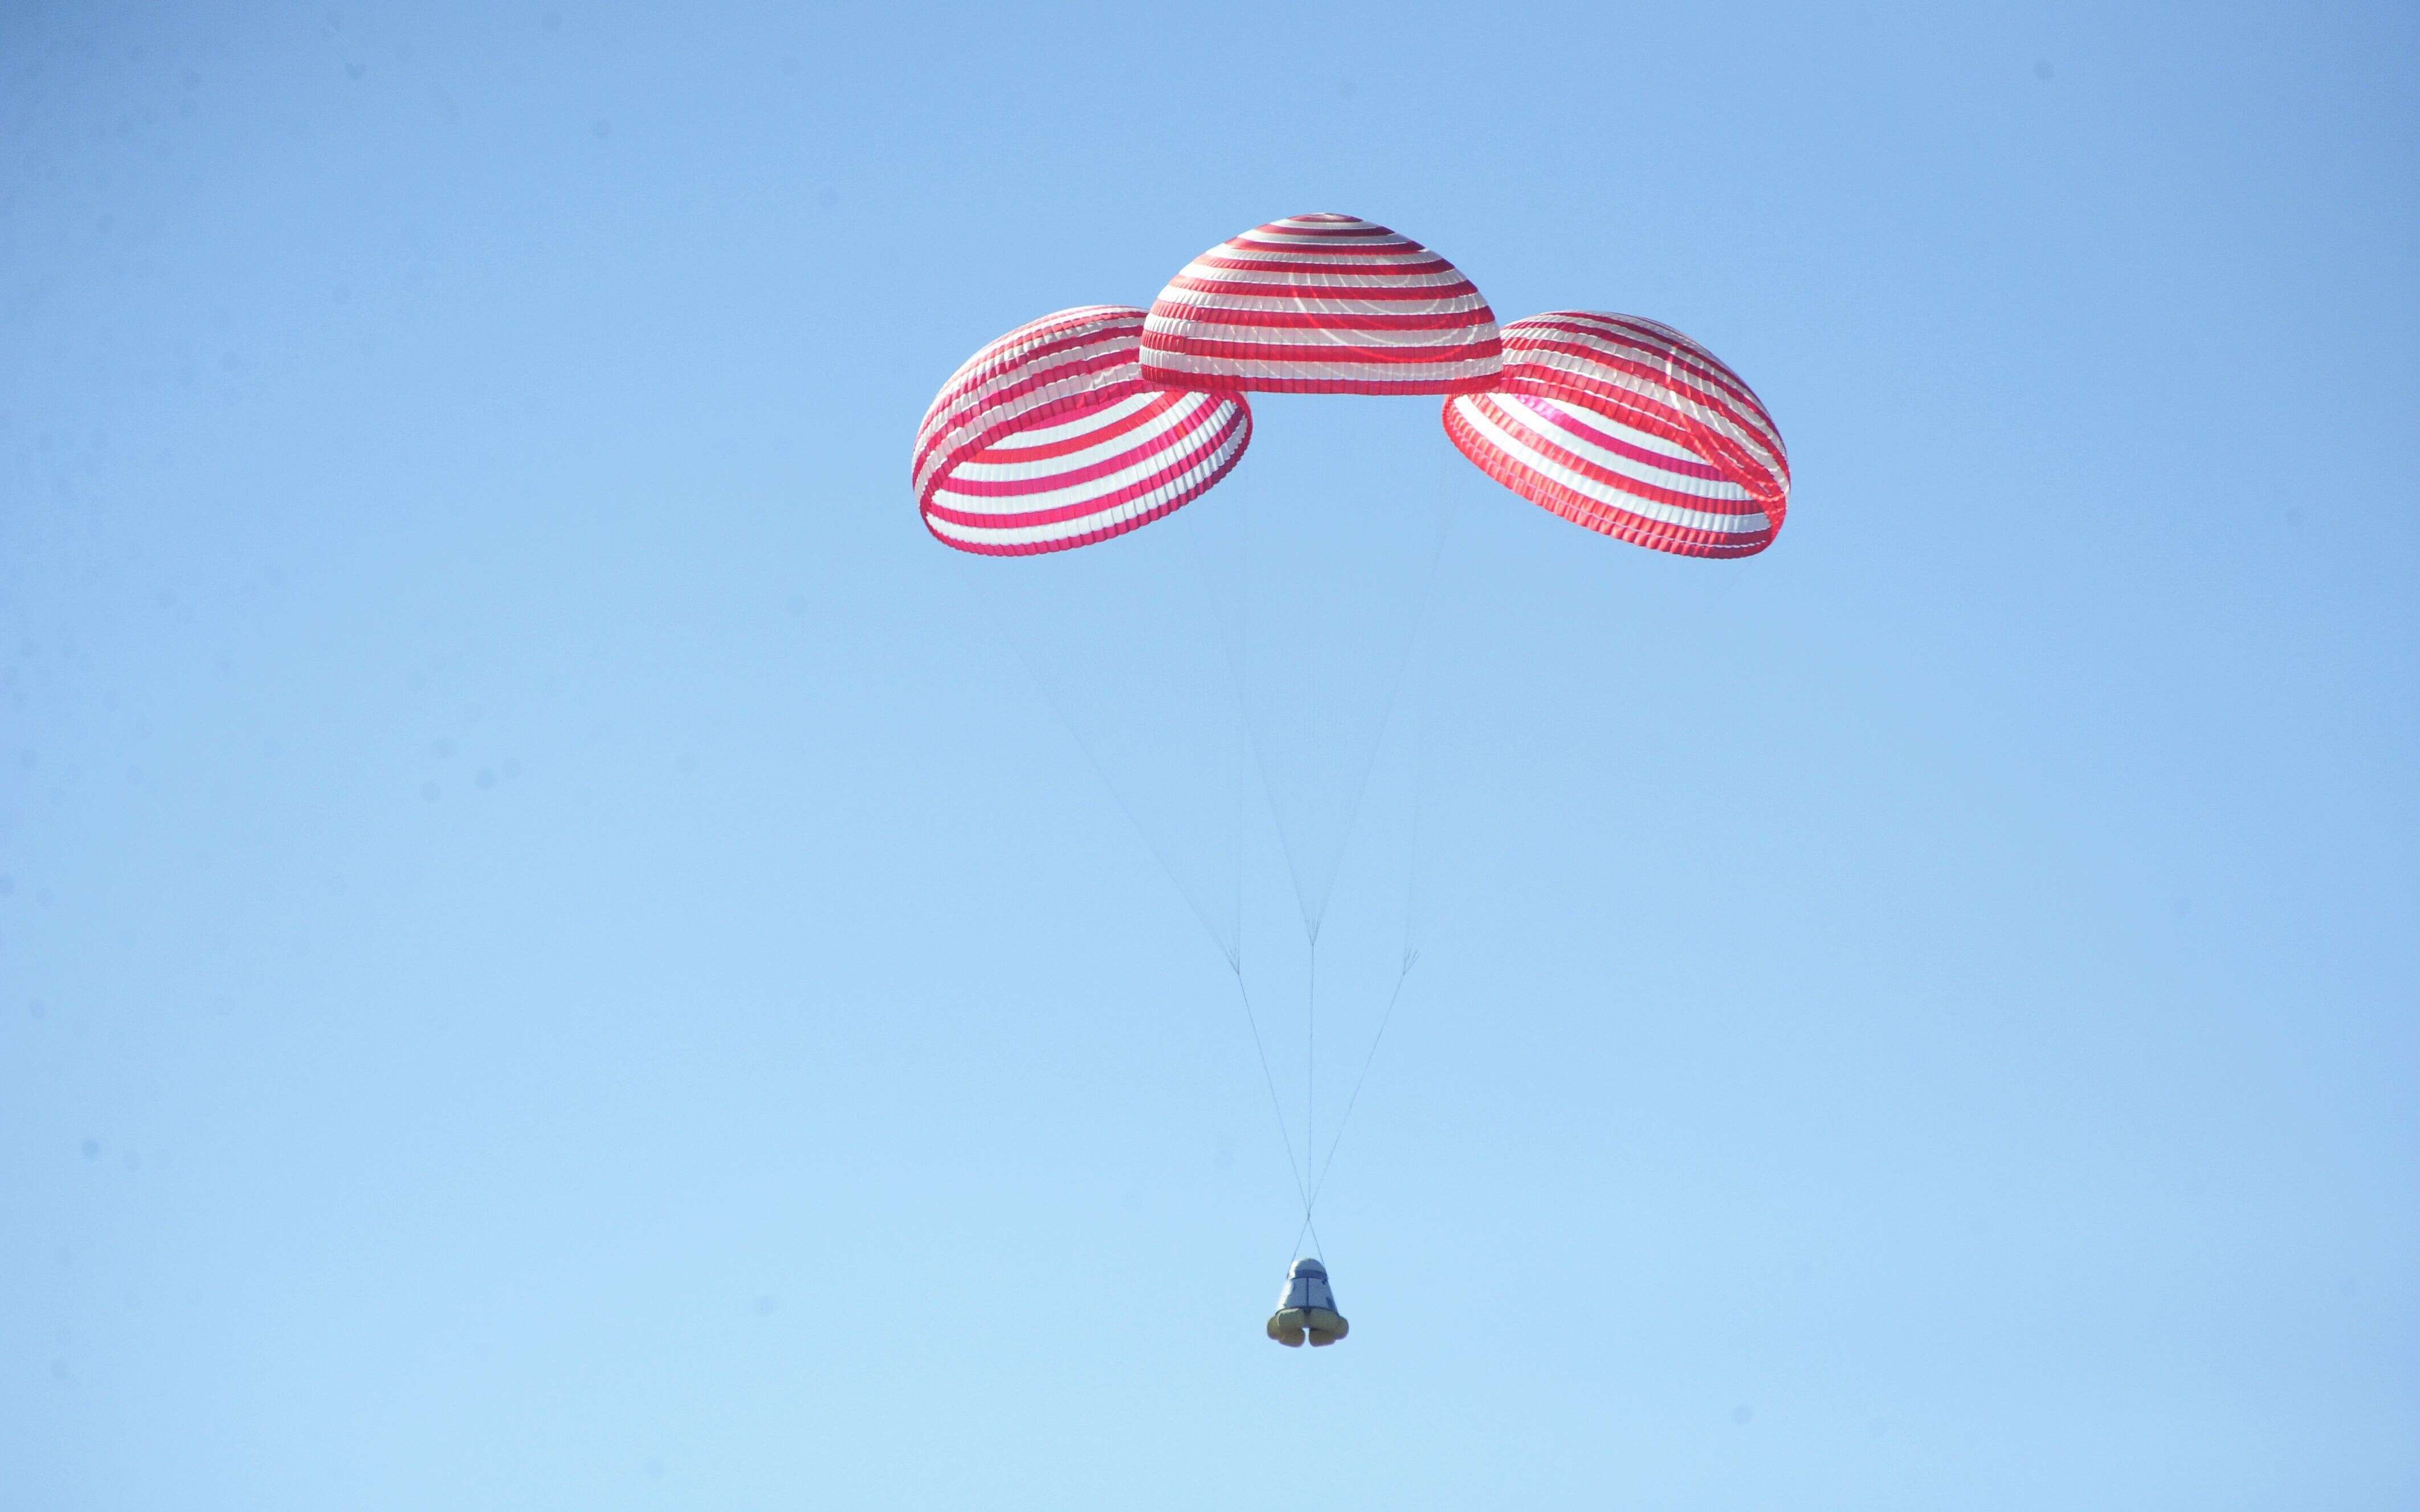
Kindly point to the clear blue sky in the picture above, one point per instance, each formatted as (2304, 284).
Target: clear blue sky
(552, 956)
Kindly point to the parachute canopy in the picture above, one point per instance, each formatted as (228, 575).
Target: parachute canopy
(1050, 438)
(1321, 304)
(1631, 429)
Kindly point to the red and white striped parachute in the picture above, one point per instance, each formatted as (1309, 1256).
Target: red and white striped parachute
(1321, 304)
(1631, 429)
(1050, 438)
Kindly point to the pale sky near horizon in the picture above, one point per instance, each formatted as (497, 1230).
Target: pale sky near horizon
(556, 950)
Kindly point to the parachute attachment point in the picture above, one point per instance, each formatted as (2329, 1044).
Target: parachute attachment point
(1307, 1308)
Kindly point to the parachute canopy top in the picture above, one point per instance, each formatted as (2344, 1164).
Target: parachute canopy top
(1321, 304)
(1049, 437)
(1626, 426)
